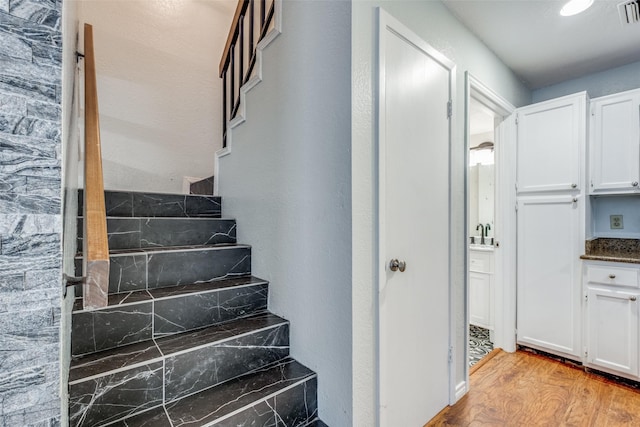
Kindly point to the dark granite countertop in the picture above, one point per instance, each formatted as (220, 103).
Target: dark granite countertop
(613, 250)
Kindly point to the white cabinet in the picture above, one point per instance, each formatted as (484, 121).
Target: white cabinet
(612, 318)
(549, 291)
(614, 146)
(481, 288)
(551, 145)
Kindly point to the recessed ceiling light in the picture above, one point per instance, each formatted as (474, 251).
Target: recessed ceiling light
(573, 7)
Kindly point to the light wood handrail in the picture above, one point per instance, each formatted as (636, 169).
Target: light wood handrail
(241, 8)
(95, 241)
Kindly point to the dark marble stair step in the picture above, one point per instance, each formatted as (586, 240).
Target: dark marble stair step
(316, 423)
(156, 267)
(136, 233)
(140, 204)
(138, 316)
(283, 394)
(175, 367)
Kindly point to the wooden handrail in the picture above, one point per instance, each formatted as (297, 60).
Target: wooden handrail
(234, 69)
(241, 8)
(95, 241)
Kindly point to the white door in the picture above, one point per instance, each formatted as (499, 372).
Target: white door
(615, 142)
(613, 329)
(415, 86)
(551, 137)
(549, 279)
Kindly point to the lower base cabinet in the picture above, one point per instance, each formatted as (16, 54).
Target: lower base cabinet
(612, 324)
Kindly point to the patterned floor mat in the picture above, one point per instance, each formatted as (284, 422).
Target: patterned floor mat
(479, 344)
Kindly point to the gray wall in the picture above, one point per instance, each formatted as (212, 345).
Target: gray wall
(30, 206)
(438, 27)
(603, 83)
(287, 181)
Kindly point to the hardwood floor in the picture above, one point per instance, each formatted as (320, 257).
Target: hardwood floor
(523, 389)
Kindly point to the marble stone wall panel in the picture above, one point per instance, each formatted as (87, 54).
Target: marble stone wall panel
(30, 220)
(98, 330)
(22, 350)
(29, 30)
(29, 126)
(43, 12)
(190, 372)
(111, 397)
(154, 418)
(15, 47)
(43, 110)
(29, 395)
(11, 104)
(175, 268)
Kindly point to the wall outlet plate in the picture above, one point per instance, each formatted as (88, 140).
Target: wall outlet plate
(616, 222)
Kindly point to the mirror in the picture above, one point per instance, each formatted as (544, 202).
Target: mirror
(481, 173)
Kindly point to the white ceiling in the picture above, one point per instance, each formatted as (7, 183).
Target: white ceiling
(544, 48)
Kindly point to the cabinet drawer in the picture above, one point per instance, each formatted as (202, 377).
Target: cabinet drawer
(481, 262)
(620, 276)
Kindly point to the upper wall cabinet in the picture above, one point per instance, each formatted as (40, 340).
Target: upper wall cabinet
(614, 146)
(551, 140)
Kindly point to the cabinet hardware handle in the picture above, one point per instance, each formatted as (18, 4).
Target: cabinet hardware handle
(574, 185)
(634, 183)
(612, 276)
(575, 200)
(632, 298)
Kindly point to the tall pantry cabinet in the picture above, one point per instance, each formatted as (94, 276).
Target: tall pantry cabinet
(550, 196)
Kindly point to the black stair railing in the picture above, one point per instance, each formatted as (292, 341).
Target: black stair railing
(251, 22)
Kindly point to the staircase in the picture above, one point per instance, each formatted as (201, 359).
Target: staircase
(186, 339)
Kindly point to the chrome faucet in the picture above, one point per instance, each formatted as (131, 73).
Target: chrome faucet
(481, 228)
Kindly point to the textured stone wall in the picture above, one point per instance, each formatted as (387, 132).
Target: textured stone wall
(30, 205)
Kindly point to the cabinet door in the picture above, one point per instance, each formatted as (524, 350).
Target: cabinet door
(550, 148)
(615, 143)
(480, 299)
(612, 334)
(550, 235)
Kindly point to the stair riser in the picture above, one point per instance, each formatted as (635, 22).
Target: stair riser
(136, 233)
(98, 330)
(132, 204)
(135, 272)
(294, 407)
(194, 311)
(200, 369)
(102, 400)
(123, 393)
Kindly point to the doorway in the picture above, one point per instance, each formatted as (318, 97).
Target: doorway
(490, 221)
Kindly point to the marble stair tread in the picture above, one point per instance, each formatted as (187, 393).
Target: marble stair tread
(156, 417)
(142, 315)
(136, 297)
(227, 403)
(146, 352)
(140, 204)
(316, 423)
(145, 232)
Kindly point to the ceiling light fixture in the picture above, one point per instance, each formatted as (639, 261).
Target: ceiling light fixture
(573, 7)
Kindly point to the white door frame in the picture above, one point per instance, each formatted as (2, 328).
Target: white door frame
(386, 20)
(505, 230)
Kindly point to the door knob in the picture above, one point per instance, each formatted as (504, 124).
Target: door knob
(395, 265)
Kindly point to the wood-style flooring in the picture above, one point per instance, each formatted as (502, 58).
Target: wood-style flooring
(524, 389)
